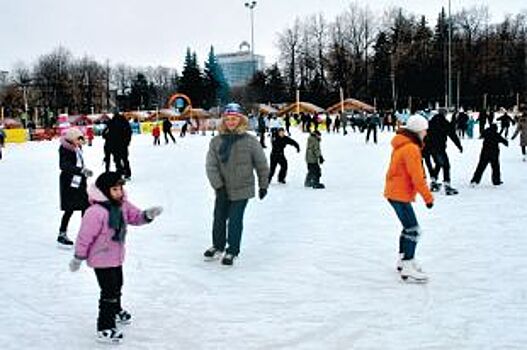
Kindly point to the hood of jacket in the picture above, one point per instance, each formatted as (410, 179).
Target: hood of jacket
(240, 129)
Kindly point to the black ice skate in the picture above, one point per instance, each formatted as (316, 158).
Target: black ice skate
(435, 186)
(63, 241)
(319, 186)
(110, 336)
(450, 191)
(212, 253)
(227, 259)
(123, 317)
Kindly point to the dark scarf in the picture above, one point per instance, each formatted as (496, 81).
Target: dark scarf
(227, 141)
(116, 220)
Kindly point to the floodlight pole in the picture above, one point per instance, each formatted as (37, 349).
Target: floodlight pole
(251, 5)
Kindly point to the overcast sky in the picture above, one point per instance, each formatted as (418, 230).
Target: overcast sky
(157, 32)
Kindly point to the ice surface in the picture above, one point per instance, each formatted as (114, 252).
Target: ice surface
(316, 269)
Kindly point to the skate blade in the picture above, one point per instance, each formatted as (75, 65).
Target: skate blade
(411, 280)
(216, 257)
(113, 341)
(64, 247)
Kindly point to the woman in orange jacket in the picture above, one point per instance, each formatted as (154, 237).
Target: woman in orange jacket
(404, 179)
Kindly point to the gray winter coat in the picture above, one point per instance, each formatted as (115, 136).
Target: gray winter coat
(521, 129)
(313, 152)
(237, 174)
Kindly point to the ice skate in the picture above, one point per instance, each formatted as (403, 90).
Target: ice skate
(228, 259)
(524, 159)
(399, 264)
(212, 253)
(63, 241)
(319, 186)
(123, 317)
(110, 336)
(435, 186)
(449, 190)
(411, 273)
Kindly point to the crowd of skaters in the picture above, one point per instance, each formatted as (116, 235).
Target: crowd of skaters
(234, 157)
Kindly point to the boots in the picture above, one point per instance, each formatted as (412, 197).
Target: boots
(434, 185)
(411, 273)
(449, 190)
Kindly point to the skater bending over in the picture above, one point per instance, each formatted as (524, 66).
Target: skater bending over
(404, 179)
(490, 154)
(101, 241)
(232, 158)
(278, 155)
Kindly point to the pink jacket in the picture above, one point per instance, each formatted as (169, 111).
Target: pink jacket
(94, 242)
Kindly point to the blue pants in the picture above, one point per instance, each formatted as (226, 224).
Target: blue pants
(231, 211)
(410, 233)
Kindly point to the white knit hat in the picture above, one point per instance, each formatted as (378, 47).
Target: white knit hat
(73, 134)
(416, 123)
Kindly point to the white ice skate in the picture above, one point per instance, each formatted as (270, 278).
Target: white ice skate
(399, 264)
(411, 273)
(110, 336)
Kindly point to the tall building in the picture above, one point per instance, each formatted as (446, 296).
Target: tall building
(239, 67)
(3, 77)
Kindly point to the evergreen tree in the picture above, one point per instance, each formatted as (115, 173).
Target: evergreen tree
(216, 86)
(192, 82)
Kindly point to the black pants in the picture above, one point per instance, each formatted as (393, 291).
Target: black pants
(66, 220)
(278, 159)
(484, 160)
(121, 162)
(232, 212)
(262, 138)
(523, 150)
(504, 129)
(370, 129)
(157, 141)
(111, 282)
(313, 174)
(169, 133)
(441, 162)
(287, 126)
(107, 158)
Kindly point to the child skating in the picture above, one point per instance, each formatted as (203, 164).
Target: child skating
(101, 242)
(404, 179)
(490, 154)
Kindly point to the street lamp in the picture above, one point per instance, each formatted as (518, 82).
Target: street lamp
(251, 5)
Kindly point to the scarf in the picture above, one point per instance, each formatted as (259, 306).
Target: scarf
(116, 220)
(227, 141)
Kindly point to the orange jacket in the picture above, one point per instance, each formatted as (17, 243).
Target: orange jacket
(406, 176)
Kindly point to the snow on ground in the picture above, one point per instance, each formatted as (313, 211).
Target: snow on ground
(316, 270)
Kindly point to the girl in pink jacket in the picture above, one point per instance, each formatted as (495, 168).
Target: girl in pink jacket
(101, 242)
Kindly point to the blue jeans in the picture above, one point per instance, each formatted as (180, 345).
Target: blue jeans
(231, 211)
(410, 233)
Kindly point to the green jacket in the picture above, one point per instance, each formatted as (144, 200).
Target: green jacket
(237, 174)
(313, 152)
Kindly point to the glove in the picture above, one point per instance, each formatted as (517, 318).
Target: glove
(430, 205)
(262, 193)
(298, 150)
(75, 264)
(152, 213)
(460, 149)
(321, 160)
(87, 172)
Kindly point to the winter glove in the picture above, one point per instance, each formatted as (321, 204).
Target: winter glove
(298, 150)
(152, 213)
(75, 264)
(460, 149)
(321, 160)
(430, 205)
(87, 172)
(262, 193)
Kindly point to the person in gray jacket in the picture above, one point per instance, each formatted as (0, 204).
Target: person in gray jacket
(521, 130)
(314, 159)
(231, 160)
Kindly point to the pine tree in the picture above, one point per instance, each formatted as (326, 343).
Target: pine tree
(192, 82)
(216, 86)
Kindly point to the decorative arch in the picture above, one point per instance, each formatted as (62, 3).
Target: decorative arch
(175, 96)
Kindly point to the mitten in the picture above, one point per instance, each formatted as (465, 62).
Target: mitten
(430, 205)
(87, 172)
(262, 193)
(75, 264)
(152, 213)
(321, 160)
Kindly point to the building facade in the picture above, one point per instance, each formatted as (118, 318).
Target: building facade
(239, 67)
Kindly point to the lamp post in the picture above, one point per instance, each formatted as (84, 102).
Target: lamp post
(449, 103)
(251, 5)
